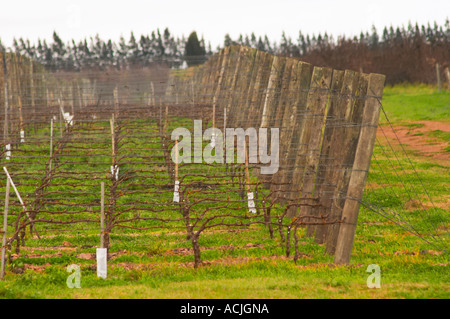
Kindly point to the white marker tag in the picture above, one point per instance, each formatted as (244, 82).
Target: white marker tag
(115, 171)
(251, 203)
(102, 260)
(22, 136)
(176, 194)
(8, 151)
(68, 118)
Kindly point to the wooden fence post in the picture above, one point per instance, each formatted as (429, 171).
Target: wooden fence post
(324, 182)
(176, 193)
(116, 100)
(32, 93)
(5, 85)
(285, 106)
(244, 85)
(216, 93)
(352, 102)
(438, 77)
(17, 75)
(360, 169)
(114, 166)
(295, 120)
(272, 93)
(51, 145)
(447, 74)
(239, 52)
(338, 148)
(61, 114)
(259, 88)
(5, 228)
(72, 107)
(250, 201)
(310, 134)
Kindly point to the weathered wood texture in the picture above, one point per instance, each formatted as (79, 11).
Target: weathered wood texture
(360, 168)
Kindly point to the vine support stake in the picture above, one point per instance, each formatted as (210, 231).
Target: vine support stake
(102, 215)
(51, 145)
(21, 201)
(5, 227)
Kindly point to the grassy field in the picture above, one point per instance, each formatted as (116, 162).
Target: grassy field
(416, 103)
(246, 262)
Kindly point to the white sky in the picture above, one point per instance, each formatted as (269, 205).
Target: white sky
(212, 19)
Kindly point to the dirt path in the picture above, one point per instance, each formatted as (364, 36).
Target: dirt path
(416, 137)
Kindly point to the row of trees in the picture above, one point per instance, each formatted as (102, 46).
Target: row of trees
(403, 54)
(96, 53)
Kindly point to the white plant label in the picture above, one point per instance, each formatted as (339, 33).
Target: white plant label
(176, 194)
(8, 151)
(102, 262)
(68, 118)
(115, 171)
(251, 203)
(22, 136)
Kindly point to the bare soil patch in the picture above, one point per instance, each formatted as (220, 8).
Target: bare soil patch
(416, 137)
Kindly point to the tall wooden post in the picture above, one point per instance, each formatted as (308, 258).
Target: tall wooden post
(114, 166)
(152, 88)
(250, 201)
(360, 169)
(438, 77)
(32, 93)
(176, 160)
(17, 73)
(72, 98)
(247, 174)
(5, 84)
(224, 127)
(61, 114)
(5, 227)
(111, 124)
(310, 133)
(51, 146)
(176, 190)
(116, 100)
(102, 216)
(447, 74)
(80, 99)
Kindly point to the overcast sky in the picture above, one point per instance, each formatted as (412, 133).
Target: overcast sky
(212, 19)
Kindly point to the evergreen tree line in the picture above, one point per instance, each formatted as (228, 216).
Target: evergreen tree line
(98, 54)
(402, 54)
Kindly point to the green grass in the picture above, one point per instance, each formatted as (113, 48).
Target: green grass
(445, 136)
(416, 103)
(241, 262)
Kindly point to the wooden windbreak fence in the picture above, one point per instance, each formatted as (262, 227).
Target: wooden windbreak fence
(327, 120)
